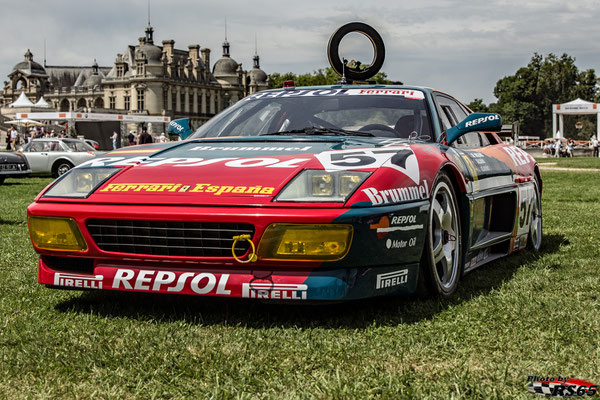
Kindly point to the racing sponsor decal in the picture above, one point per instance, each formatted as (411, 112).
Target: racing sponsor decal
(400, 243)
(488, 118)
(280, 291)
(216, 190)
(397, 195)
(400, 157)
(78, 281)
(159, 281)
(250, 148)
(518, 156)
(396, 223)
(558, 386)
(407, 93)
(391, 279)
(235, 162)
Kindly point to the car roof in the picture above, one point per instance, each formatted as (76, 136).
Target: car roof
(376, 86)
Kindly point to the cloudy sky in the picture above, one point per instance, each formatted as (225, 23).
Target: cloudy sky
(462, 47)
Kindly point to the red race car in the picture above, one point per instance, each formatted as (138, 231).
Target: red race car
(315, 193)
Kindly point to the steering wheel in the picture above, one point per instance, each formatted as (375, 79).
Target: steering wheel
(379, 127)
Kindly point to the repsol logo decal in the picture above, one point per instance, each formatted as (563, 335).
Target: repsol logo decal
(482, 120)
(397, 195)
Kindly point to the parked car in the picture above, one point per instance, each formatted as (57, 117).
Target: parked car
(317, 193)
(56, 156)
(92, 143)
(13, 165)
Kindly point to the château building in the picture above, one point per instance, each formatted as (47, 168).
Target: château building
(145, 79)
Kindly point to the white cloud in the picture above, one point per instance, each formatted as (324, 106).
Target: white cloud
(462, 47)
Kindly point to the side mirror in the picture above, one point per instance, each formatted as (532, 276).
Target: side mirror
(180, 127)
(475, 122)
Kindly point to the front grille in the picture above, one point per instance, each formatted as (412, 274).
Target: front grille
(169, 238)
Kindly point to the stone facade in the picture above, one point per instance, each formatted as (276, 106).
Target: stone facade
(145, 79)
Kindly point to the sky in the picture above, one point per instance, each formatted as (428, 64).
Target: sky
(460, 47)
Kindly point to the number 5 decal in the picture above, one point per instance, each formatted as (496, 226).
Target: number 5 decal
(400, 158)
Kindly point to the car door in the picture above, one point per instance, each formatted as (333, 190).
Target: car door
(38, 154)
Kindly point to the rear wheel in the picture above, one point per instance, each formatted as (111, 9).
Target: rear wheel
(441, 264)
(1, 180)
(60, 168)
(534, 239)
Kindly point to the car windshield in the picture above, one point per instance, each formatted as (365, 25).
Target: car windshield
(396, 113)
(75, 145)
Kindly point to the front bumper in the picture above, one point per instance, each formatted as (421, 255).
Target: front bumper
(383, 259)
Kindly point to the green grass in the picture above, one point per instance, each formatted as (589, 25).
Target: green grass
(523, 315)
(575, 162)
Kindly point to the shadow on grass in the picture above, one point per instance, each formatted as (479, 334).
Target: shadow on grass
(357, 314)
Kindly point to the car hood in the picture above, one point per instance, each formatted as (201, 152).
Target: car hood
(251, 171)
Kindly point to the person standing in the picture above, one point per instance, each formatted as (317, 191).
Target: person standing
(595, 146)
(14, 138)
(131, 138)
(145, 137)
(557, 148)
(114, 139)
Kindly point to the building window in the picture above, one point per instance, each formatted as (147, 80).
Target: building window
(200, 103)
(173, 100)
(182, 101)
(119, 71)
(111, 102)
(140, 68)
(140, 100)
(127, 100)
(191, 102)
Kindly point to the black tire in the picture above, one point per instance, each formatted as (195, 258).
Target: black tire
(534, 238)
(61, 167)
(441, 263)
(2, 179)
(356, 74)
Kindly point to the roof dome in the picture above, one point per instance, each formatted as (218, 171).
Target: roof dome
(225, 66)
(29, 66)
(95, 78)
(153, 53)
(256, 74)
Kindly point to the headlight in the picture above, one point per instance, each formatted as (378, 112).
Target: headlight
(80, 183)
(322, 186)
(52, 233)
(305, 242)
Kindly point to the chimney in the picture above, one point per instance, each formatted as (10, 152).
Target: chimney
(168, 46)
(206, 58)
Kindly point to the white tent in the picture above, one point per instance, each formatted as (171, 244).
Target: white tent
(42, 103)
(22, 101)
(575, 107)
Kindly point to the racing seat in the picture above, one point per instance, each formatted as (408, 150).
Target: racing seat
(405, 125)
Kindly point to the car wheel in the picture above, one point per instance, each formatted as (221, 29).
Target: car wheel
(534, 239)
(1, 180)
(441, 265)
(61, 168)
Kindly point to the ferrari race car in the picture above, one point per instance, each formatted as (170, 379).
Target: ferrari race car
(313, 193)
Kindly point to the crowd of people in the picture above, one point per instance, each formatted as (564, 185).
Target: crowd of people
(14, 138)
(134, 138)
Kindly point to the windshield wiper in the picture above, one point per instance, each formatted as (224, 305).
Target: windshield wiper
(311, 130)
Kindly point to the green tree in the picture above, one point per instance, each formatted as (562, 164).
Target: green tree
(478, 105)
(319, 77)
(528, 95)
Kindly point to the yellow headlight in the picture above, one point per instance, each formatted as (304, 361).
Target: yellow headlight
(322, 184)
(305, 242)
(50, 233)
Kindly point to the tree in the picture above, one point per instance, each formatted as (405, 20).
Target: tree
(319, 77)
(528, 95)
(478, 105)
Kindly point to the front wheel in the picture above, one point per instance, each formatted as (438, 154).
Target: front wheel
(441, 264)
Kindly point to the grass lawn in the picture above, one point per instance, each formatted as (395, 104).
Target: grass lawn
(524, 315)
(575, 162)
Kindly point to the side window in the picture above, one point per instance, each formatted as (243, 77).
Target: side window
(54, 146)
(455, 113)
